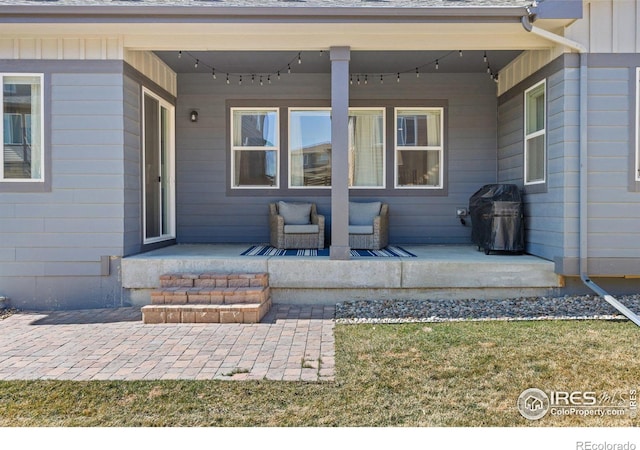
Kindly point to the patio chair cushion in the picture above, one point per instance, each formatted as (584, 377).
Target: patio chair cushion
(363, 213)
(301, 229)
(360, 229)
(295, 213)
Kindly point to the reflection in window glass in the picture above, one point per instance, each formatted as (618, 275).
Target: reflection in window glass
(534, 148)
(22, 155)
(254, 147)
(419, 147)
(309, 148)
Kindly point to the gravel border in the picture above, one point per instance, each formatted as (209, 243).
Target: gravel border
(585, 307)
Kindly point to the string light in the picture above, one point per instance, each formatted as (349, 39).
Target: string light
(359, 78)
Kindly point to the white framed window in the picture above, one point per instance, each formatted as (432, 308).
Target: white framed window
(255, 149)
(367, 148)
(310, 148)
(419, 148)
(637, 167)
(21, 128)
(535, 140)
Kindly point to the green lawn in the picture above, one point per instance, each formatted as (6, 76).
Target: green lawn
(449, 374)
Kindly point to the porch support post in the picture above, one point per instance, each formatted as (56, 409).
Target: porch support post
(339, 248)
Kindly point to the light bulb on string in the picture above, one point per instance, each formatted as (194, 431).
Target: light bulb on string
(299, 58)
(240, 80)
(437, 64)
(351, 79)
(485, 56)
(253, 78)
(228, 79)
(213, 73)
(460, 53)
(269, 79)
(278, 74)
(417, 73)
(261, 83)
(398, 77)
(366, 79)
(288, 68)
(381, 79)
(195, 66)
(180, 54)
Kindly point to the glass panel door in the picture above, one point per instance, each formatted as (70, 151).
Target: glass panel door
(158, 170)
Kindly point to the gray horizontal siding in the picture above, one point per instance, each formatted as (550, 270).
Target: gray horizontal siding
(132, 167)
(207, 211)
(614, 209)
(547, 227)
(51, 244)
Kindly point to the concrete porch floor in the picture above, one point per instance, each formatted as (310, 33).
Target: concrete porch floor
(437, 271)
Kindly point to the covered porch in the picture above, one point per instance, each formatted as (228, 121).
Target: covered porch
(436, 272)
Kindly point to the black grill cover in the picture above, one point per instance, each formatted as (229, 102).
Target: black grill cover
(497, 217)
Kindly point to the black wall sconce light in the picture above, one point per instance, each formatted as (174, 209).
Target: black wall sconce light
(194, 116)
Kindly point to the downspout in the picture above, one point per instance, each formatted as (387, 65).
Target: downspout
(583, 210)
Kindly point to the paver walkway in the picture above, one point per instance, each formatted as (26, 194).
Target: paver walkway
(292, 343)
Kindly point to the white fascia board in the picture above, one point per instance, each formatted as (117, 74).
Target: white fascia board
(181, 13)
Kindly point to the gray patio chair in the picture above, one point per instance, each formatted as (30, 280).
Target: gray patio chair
(296, 225)
(368, 225)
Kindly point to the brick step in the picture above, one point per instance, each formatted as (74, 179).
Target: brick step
(209, 295)
(214, 280)
(238, 313)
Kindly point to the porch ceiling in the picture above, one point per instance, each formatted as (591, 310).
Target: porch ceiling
(361, 61)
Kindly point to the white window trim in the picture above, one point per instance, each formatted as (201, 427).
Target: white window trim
(41, 179)
(637, 166)
(239, 148)
(439, 148)
(384, 146)
(542, 132)
(172, 171)
(289, 152)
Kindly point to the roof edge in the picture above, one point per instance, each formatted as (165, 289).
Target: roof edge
(38, 13)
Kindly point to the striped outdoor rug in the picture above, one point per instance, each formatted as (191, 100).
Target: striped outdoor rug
(267, 250)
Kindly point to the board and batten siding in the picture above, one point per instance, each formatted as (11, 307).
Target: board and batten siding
(209, 211)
